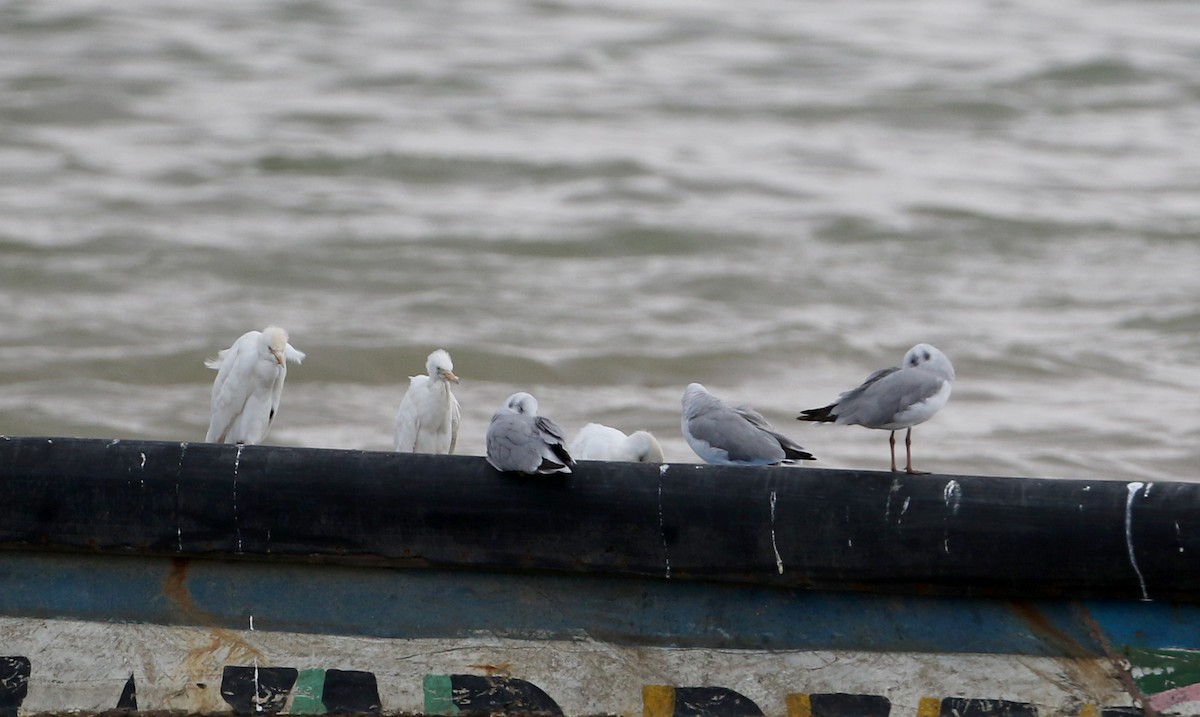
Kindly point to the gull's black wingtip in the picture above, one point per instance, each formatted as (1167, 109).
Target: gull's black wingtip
(824, 414)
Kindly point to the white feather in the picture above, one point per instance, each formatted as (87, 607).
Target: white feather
(249, 386)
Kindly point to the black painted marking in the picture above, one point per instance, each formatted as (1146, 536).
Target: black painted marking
(839, 704)
(14, 684)
(474, 693)
(963, 707)
(351, 692)
(257, 690)
(128, 699)
(713, 702)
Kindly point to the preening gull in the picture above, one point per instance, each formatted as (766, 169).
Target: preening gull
(726, 435)
(249, 383)
(427, 421)
(520, 440)
(597, 442)
(894, 398)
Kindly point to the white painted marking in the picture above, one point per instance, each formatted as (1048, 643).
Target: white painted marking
(774, 546)
(237, 459)
(143, 461)
(258, 693)
(952, 495)
(1134, 487)
(887, 508)
(662, 530)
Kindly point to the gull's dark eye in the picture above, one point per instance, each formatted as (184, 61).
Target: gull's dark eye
(926, 356)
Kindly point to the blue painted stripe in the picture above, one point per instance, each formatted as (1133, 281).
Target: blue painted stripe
(397, 603)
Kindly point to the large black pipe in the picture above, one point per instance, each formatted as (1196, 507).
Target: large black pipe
(805, 527)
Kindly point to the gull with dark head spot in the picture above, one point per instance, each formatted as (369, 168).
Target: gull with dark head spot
(597, 442)
(726, 435)
(894, 398)
(249, 384)
(519, 440)
(428, 417)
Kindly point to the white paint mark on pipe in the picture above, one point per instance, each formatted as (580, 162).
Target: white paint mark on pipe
(774, 545)
(1133, 488)
(952, 495)
(237, 523)
(662, 528)
(143, 461)
(887, 508)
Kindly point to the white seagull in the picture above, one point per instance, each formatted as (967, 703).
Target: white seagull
(520, 440)
(597, 442)
(245, 395)
(730, 436)
(427, 421)
(894, 398)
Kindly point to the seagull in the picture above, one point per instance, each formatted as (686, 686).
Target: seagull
(739, 436)
(894, 398)
(245, 395)
(597, 442)
(521, 441)
(427, 421)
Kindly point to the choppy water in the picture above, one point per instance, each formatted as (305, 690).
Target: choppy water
(599, 202)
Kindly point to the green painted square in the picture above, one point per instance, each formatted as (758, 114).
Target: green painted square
(439, 695)
(1160, 670)
(306, 696)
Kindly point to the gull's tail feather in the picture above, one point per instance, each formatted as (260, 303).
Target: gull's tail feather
(823, 414)
(549, 466)
(795, 453)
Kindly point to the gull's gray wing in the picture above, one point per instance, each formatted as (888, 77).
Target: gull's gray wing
(512, 445)
(790, 448)
(885, 394)
(733, 432)
(552, 436)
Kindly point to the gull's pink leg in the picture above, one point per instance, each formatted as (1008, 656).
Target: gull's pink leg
(892, 443)
(908, 449)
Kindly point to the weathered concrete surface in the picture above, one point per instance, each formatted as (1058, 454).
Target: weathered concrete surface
(78, 665)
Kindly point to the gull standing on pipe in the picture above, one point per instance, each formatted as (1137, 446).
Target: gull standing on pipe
(894, 398)
(597, 442)
(519, 440)
(428, 418)
(249, 383)
(725, 435)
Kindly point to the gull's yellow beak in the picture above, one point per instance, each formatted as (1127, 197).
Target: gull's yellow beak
(278, 356)
(447, 375)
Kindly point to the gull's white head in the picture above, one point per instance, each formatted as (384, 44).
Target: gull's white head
(928, 357)
(643, 448)
(275, 340)
(522, 403)
(439, 366)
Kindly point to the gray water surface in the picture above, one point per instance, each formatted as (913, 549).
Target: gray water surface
(600, 202)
